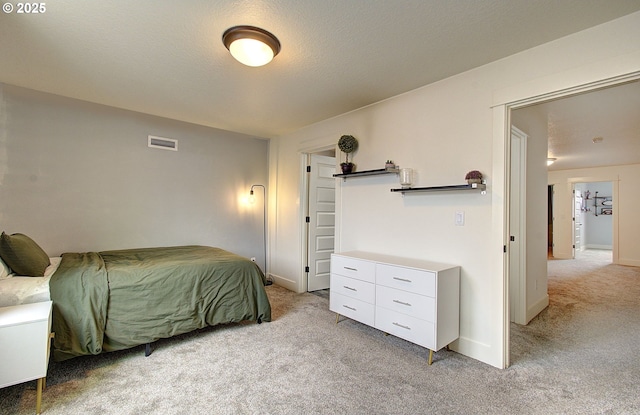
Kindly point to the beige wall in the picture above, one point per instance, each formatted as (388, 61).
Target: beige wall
(442, 130)
(79, 177)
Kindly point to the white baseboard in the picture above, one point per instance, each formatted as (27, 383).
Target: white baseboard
(284, 282)
(629, 262)
(562, 255)
(536, 308)
(592, 246)
(479, 351)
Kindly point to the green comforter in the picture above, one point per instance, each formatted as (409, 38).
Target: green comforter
(115, 300)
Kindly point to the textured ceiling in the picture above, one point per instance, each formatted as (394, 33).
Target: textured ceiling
(167, 59)
(595, 129)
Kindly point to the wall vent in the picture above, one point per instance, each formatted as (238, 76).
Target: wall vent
(163, 143)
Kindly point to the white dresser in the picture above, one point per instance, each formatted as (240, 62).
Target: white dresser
(416, 300)
(24, 345)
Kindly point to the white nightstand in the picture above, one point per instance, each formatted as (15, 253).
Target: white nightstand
(24, 345)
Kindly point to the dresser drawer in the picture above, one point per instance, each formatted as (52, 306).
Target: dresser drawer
(406, 327)
(351, 287)
(354, 268)
(352, 308)
(407, 279)
(418, 306)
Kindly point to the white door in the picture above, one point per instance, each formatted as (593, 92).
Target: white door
(517, 228)
(321, 221)
(577, 222)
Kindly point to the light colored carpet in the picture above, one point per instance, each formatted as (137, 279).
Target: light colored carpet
(577, 357)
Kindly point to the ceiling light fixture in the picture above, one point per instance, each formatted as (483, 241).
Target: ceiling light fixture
(550, 161)
(250, 45)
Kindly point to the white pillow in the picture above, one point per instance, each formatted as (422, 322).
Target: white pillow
(5, 271)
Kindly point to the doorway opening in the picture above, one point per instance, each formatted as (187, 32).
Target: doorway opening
(573, 236)
(593, 219)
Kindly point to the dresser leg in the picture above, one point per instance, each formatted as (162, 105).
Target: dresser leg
(39, 395)
(430, 357)
(52, 335)
(337, 318)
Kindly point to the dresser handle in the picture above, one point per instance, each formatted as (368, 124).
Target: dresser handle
(351, 308)
(349, 288)
(401, 279)
(400, 325)
(401, 302)
(351, 269)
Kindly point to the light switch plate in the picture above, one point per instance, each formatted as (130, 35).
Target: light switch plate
(459, 218)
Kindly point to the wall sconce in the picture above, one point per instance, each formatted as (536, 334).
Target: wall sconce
(250, 45)
(252, 200)
(550, 161)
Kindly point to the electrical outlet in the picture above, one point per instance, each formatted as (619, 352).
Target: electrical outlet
(253, 259)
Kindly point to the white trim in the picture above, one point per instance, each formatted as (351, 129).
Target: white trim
(514, 98)
(520, 314)
(287, 283)
(536, 308)
(595, 246)
(469, 347)
(629, 262)
(500, 234)
(305, 160)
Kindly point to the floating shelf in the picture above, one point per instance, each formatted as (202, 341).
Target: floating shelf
(458, 187)
(376, 172)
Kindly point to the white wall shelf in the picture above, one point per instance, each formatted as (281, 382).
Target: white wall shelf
(481, 187)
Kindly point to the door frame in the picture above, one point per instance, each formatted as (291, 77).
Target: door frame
(518, 202)
(502, 175)
(575, 221)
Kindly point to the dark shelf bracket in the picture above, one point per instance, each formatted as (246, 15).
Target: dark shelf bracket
(363, 173)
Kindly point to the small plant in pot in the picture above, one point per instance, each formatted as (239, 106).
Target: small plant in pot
(347, 144)
(474, 176)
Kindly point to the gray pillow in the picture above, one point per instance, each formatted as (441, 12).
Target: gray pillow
(23, 255)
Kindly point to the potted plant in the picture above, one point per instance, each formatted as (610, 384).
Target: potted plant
(474, 176)
(347, 144)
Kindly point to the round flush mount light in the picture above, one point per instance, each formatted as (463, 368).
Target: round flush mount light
(251, 45)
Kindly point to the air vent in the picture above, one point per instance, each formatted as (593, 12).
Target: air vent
(163, 143)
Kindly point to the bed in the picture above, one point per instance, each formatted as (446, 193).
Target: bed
(115, 300)
(20, 289)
